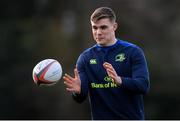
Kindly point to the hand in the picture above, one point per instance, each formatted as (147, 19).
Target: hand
(112, 73)
(73, 84)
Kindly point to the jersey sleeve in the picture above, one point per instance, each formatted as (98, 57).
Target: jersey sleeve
(139, 82)
(84, 80)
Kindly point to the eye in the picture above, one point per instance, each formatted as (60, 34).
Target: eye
(104, 27)
(94, 27)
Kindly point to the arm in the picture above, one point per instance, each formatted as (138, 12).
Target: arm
(78, 85)
(73, 84)
(80, 97)
(139, 82)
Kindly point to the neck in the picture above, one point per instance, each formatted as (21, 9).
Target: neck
(112, 42)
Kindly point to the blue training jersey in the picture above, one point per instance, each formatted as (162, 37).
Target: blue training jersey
(108, 100)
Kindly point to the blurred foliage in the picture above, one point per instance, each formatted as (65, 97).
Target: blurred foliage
(33, 30)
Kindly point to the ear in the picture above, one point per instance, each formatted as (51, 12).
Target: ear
(115, 26)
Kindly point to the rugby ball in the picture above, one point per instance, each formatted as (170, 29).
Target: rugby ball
(47, 72)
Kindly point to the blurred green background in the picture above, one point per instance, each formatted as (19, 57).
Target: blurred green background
(33, 30)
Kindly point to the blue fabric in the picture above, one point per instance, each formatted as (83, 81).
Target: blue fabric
(108, 100)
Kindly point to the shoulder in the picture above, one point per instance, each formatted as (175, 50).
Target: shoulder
(131, 49)
(128, 45)
(87, 53)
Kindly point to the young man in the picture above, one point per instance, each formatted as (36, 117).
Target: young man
(113, 73)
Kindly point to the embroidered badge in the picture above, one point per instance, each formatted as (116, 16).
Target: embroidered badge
(120, 57)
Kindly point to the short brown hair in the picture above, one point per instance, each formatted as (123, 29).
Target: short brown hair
(103, 12)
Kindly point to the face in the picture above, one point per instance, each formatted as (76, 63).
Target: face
(103, 31)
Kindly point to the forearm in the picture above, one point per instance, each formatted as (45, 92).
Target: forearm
(78, 97)
(136, 85)
(81, 95)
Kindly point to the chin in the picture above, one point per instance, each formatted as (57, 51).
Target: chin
(101, 43)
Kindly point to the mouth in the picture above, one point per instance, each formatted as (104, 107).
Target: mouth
(99, 38)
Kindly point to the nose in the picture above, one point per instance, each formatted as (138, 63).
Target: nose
(99, 31)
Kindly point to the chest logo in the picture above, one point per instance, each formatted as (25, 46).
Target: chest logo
(120, 57)
(93, 61)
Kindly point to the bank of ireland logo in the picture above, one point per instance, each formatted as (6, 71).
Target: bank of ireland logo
(107, 79)
(93, 61)
(120, 57)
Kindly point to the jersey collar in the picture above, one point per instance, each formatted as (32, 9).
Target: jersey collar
(106, 48)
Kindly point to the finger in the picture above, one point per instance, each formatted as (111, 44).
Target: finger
(111, 72)
(111, 69)
(67, 81)
(69, 77)
(76, 73)
(70, 89)
(107, 65)
(68, 85)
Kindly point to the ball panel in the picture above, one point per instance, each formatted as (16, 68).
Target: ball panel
(44, 71)
(47, 72)
(35, 78)
(54, 72)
